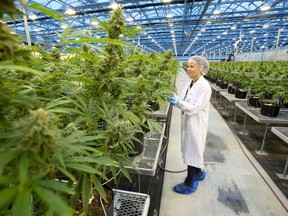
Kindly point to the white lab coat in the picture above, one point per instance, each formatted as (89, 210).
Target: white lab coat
(194, 121)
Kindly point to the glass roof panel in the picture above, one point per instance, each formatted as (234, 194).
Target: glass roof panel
(192, 29)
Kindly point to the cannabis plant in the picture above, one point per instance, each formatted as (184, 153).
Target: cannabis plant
(35, 152)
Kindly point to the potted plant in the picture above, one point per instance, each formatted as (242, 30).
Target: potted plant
(242, 83)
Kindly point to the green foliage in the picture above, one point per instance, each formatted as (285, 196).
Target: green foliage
(261, 78)
(47, 11)
(10, 48)
(66, 117)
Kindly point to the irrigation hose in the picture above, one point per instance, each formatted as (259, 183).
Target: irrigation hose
(163, 150)
(167, 170)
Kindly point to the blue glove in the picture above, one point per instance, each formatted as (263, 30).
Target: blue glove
(174, 101)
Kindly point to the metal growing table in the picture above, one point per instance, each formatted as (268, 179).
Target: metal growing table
(282, 132)
(147, 161)
(161, 114)
(217, 89)
(231, 98)
(255, 114)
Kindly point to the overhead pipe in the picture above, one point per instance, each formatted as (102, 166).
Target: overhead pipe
(24, 2)
(201, 16)
(251, 49)
(198, 21)
(277, 43)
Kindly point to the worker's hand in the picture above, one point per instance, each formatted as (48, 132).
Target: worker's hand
(174, 100)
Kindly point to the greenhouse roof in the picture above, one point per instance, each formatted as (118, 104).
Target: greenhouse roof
(187, 27)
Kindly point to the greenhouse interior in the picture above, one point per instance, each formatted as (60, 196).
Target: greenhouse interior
(149, 107)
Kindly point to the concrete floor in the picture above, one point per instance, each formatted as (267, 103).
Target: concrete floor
(235, 183)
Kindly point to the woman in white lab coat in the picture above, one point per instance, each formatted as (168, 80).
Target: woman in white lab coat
(194, 103)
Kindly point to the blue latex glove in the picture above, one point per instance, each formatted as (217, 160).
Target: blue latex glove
(174, 101)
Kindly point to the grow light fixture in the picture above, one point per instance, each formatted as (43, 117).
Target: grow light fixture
(169, 16)
(129, 19)
(234, 27)
(114, 5)
(265, 25)
(33, 16)
(170, 24)
(94, 23)
(70, 12)
(265, 8)
(217, 10)
(166, 1)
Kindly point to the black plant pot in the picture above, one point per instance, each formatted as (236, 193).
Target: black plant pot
(95, 204)
(154, 106)
(253, 101)
(239, 93)
(101, 124)
(270, 109)
(231, 89)
(110, 209)
(129, 104)
(284, 105)
(138, 146)
(218, 82)
(213, 80)
(223, 85)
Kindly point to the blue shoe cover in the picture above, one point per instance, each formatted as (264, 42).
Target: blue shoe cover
(203, 175)
(182, 189)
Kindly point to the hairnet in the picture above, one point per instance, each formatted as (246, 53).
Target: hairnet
(201, 62)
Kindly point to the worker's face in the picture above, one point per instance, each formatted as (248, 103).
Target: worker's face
(193, 70)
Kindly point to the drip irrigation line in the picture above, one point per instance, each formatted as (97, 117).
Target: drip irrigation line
(103, 206)
(275, 194)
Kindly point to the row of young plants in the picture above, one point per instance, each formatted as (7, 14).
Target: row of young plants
(266, 82)
(73, 118)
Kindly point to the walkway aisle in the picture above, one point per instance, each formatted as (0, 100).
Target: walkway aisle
(232, 185)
